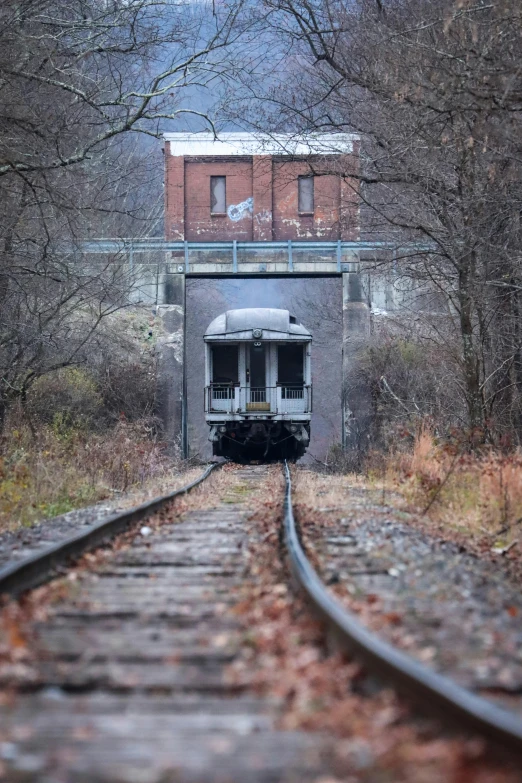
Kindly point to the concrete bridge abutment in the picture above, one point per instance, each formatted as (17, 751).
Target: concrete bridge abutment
(172, 385)
(355, 396)
(171, 401)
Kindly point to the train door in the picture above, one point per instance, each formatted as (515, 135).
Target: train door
(256, 372)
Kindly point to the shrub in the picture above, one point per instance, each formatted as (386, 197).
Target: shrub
(116, 381)
(408, 379)
(128, 390)
(66, 398)
(86, 431)
(53, 474)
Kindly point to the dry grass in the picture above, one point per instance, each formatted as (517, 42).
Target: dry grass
(472, 497)
(60, 470)
(476, 494)
(324, 492)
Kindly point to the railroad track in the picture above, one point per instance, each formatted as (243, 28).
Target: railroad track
(432, 691)
(126, 679)
(123, 677)
(32, 571)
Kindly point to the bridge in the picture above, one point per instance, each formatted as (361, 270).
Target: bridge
(210, 259)
(161, 267)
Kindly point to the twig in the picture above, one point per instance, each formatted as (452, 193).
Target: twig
(441, 485)
(397, 399)
(507, 527)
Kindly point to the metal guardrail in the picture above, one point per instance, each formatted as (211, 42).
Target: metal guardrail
(434, 692)
(130, 247)
(35, 570)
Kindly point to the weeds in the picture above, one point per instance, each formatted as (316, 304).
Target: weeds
(479, 492)
(475, 492)
(65, 467)
(84, 433)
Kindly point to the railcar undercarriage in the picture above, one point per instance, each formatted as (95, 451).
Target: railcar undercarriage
(266, 441)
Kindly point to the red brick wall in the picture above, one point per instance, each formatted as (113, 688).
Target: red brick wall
(174, 196)
(200, 225)
(272, 184)
(263, 194)
(288, 223)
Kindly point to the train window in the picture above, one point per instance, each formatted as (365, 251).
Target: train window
(225, 365)
(218, 195)
(290, 361)
(305, 190)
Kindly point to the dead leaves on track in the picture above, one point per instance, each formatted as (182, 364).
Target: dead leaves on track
(373, 734)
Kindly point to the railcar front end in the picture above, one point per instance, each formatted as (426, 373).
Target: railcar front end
(258, 385)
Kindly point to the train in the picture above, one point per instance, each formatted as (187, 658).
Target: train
(258, 385)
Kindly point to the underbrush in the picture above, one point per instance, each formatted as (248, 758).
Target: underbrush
(472, 492)
(61, 466)
(84, 432)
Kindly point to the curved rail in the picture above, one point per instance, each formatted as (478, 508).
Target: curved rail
(421, 684)
(39, 568)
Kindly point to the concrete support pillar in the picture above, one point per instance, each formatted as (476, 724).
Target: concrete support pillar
(356, 330)
(171, 393)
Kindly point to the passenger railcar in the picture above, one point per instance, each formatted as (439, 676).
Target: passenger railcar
(258, 384)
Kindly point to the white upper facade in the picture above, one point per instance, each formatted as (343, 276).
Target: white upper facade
(229, 144)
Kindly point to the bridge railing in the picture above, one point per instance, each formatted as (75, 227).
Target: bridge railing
(245, 257)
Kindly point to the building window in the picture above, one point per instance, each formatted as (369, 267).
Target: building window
(305, 187)
(218, 195)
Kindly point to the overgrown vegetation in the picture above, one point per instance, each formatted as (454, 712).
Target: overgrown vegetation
(86, 432)
(408, 378)
(477, 493)
(66, 466)
(454, 485)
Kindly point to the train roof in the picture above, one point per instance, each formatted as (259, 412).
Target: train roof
(238, 325)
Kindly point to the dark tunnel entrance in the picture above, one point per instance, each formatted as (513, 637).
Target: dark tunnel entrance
(316, 302)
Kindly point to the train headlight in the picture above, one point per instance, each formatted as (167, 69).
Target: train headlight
(293, 427)
(222, 428)
(257, 333)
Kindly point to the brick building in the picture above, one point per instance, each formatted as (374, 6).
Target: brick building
(251, 206)
(260, 189)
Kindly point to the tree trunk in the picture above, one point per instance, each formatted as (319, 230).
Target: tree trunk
(517, 363)
(471, 363)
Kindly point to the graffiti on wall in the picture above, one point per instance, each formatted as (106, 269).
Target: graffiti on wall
(237, 211)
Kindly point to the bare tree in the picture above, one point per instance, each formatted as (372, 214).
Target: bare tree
(76, 78)
(435, 90)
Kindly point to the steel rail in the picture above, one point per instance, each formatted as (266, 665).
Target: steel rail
(18, 577)
(435, 692)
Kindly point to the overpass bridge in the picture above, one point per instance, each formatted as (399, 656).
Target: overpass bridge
(160, 269)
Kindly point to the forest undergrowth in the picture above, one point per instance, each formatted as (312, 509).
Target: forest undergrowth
(470, 495)
(60, 468)
(87, 432)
